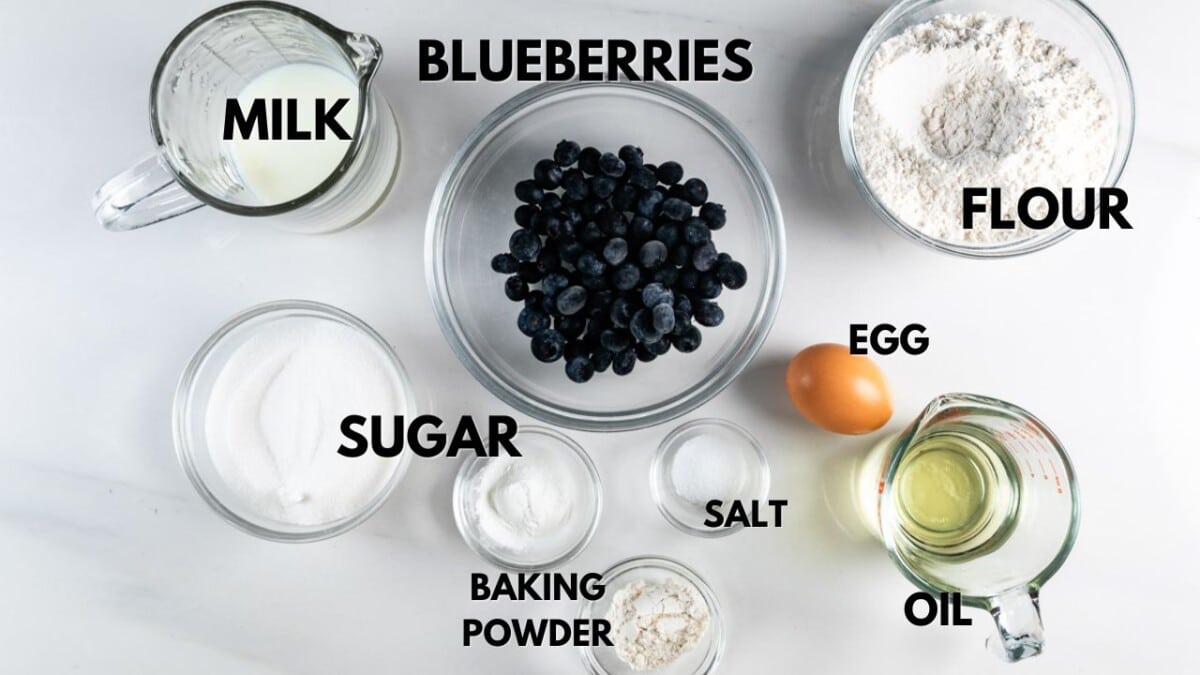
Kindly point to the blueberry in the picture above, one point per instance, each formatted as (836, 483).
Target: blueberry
(657, 294)
(668, 234)
(683, 303)
(642, 327)
(659, 348)
(580, 369)
(641, 227)
(601, 360)
(612, 223)
(724, 258)
(590, 264)
(674, 192)
(591, 235)
(597, 282)
(530, 273)
(566, 152)
(515, 289)
(689, 279)
(623, 196)
(599, 302)
(666, 275)
(569, 251)
(643, 178)
(681, 254)
(648, 203)
(663, 317)
(570, 326)
(575, 348)
(631, 155)
(524, 214)
(709, 314)
(670, 173)
(708, 287)
(547, 174)
(571, 299)
(688, 340)
(575, 185)
(676, 209)
(547, 346)
(652, 168)
(614, 340)
(551, 201)
(695, 191)
(602, 186)
(534, 299)
(713, 214)
(590, 207)
(532, 321)
(614, 252)
(682, 321)
(644, 354)
(528, 191)
(626, 276)
(624, 361)
(589, 160)
(695, 232)
(505, 263)
(553, 284)
(548, 223)
(652, 254)
(732, 274)
(524, 245)
(571, 217)
(704, 257)
(611, 165)
(622, 312)
(547, 261)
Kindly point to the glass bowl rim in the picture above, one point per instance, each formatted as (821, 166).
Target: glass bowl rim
(658, 480)
(472, 541)
(858, 65)
(754, 335)
(716, 619)
(181, 417)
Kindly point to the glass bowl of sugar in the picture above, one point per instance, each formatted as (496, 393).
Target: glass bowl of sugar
(258, 418)
(705, 460)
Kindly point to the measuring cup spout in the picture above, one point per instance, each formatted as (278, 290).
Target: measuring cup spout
(365, 53)
(1019, 623)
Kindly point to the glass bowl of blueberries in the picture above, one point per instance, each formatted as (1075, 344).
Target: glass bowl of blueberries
(605, 256)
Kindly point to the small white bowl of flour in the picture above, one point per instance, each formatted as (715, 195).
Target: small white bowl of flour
(1011, 95)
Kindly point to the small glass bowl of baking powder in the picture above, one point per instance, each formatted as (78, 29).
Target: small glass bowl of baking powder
(347, 489)
(529, 513)
(702, 460)
(700, 658)
(1067, 23)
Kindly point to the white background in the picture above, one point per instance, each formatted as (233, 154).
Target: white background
(110, 563)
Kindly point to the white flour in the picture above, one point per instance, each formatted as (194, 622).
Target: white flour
(654, 623)
(981, 101)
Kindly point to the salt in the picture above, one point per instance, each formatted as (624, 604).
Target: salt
(707, 467)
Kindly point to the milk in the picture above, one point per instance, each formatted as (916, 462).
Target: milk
(281, 170)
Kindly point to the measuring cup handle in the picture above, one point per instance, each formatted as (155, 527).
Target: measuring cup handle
(1019, 621)
(142, 195)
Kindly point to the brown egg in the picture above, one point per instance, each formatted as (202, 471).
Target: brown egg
(838, 391)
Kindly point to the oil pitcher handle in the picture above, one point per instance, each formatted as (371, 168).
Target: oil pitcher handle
(1019, 621)
(142, 195)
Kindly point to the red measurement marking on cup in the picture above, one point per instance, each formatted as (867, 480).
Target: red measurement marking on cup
(1045, 475)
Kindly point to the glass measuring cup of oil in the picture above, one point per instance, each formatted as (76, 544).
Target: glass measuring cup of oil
(976, 497)
(290, 61)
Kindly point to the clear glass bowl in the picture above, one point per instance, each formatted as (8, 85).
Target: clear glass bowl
(687, 516)
(1067, 23)
(703, 658)
(531, 439)
(191, 405)
(471, 218)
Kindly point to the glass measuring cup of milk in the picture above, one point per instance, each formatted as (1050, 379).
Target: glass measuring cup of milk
(271, 52)
(976, 497)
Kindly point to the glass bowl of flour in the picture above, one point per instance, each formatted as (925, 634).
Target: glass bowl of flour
(663, 616)
(529, 513)
(258, 420)
(1009, 94)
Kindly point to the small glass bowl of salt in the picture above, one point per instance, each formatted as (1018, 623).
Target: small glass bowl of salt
(703, 460)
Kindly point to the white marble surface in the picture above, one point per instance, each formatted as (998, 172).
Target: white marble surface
(112, 564)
